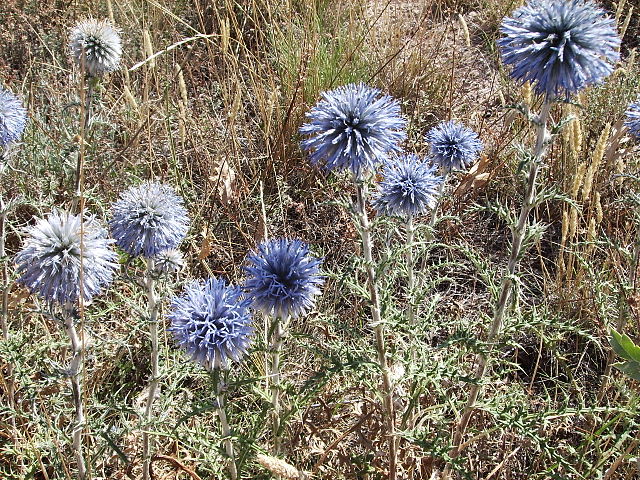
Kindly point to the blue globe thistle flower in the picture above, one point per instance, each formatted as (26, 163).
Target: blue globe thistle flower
(212, 323)
(52, 258)
(353, 128)
(560, 46)
(453, 146)
(168, 261)
(148, 219)
(410, 187)
(633, 119)
(95, 44)
(13, 118)
(283, 278)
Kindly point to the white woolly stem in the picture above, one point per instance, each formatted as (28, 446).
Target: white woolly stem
(226, 429)
(378, 326)
(75, 368)
(154, 382)
(506, 289)
(277, 332)
(434, 211)
(411, 309)
(86, 101)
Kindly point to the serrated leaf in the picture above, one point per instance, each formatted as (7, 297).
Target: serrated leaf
(624, 346)
(630, 368)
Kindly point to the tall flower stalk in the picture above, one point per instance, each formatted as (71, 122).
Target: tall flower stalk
(66, 260)
(355, 128)
(212, 323)
(149, 220)
(283, 281)
(560, 46)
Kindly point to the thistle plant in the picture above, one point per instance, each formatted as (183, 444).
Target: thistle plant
(410, 188)
(13, 119)
(96, 48)
(212, 323)
(355, 128)
(453, 147)
(560, 47)
(149, 220)
(66, 260)
(632, 121)
(283, 282)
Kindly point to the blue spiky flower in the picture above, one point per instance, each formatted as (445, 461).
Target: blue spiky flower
(560, 46)
(353, 127)
(148, 219)
(212, 323)
(453, 146)
(57, 249)
(410, 187)
(633, 119)
(13, 118)
(95, 45)
(284, 279)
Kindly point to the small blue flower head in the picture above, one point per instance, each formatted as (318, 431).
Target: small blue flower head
(283, 278)
(409, 187)
(13, 118)
(560, 46)
(55, 251)
(212, 323)
(148, 219)
(354, 128)
(633, 119)
(96, 46)
(453, 146)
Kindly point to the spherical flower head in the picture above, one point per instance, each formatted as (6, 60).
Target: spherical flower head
(212, 323)
(168, 261)
(95, 45)
(633, 119)
(354, 128)
(13, 118)
(60, 247)
(148, 219)
(283, 278)
(560, 46)
(453, 146)
(410, 187)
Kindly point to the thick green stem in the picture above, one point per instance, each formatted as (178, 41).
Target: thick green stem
(76, 390)
(277, 332)
(378, 327)
(226, 429)
(153, 305)
(506, 289)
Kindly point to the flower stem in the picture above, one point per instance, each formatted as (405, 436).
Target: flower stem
(154, 306)
(277, 332)
(4, 313)
(411, 313)
(86, 98)
(434, 212)
(378, 326)
(226, 429)
(76, 390)
(518, 235)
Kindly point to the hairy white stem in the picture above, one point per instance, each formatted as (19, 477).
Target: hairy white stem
(86, 101)
(76, 390)
(411, 309)
(277, 332)
(434, 211)
(226, 429)
(153, 306)
(518, 235)
(378, 327)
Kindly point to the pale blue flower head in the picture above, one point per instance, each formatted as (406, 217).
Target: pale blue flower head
(148, 219)
(353, 127)
(212, 323)
(410, 187)
(283, 278)
(95, 45)
(57, 249)
(560, 46)
(453, 146)
(13, 118)
(633, 119)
